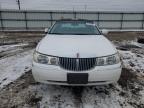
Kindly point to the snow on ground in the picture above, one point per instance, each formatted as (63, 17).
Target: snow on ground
(11, 47)
(100, 97)
(13, 67)
(55, 96)
(133, 56)
(133, 61)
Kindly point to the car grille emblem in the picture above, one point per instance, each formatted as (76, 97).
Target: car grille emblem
(77, 61)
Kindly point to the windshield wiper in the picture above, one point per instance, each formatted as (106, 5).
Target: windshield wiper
(82, 34)
(57, 33)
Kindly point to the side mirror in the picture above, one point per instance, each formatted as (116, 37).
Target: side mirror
(46, 30)
(105, 32)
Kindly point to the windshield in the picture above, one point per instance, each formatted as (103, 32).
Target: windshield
(74, 28)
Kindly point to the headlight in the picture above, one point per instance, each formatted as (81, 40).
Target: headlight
(44, 59)
(109, 60)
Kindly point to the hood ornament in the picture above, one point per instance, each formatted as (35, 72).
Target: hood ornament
(77, 55)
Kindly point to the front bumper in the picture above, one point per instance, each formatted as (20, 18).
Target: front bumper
(99, 75)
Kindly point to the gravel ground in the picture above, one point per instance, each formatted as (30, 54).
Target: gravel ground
(19, 90)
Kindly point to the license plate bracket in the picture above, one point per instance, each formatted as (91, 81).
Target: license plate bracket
(77, 78)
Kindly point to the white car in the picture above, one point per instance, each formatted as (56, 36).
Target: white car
(75, 53)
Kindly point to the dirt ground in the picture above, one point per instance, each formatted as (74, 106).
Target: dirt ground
(24, 92)
(18, 37)
(124, 36)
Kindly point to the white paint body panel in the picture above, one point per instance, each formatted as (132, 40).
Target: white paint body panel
(56, 75)
(68, 45)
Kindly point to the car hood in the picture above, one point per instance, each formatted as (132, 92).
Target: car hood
(85, 46)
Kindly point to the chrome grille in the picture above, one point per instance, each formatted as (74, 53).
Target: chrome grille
(77, 64)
